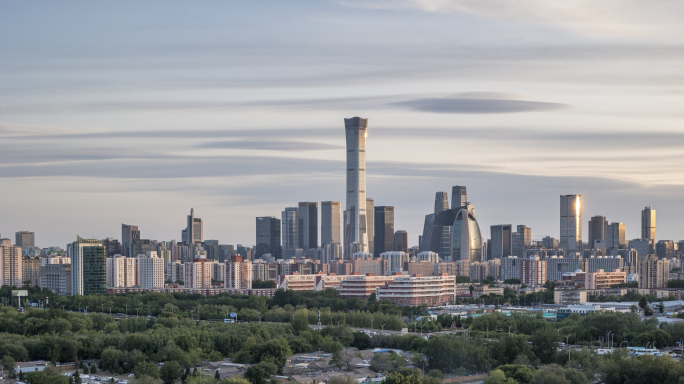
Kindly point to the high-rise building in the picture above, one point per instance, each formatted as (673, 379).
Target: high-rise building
(615, 236)
(198, 274)
(521, 239)
(654, 273)
(88, 266)
(502, 241)
(120, 271)
(466, 238)
(290, 228)
(140, 247)
(459, 197)
(401, 241)
(571, 223)
(549, 242)
(384, 230)
(150, 270)
(25, 239)
(355, 220)
(648, 223)
(30, 270)
(267, 237)
(194, 230)
(533, 271)
(437, 238)
(212, 248)
(129, 233)
(239, 273)
(57, 278)
(112, 246)
(10, 264)
(664, 249)
(308, 225)
(330, 223)
(643, 247)
(598, 226)
(370, 224)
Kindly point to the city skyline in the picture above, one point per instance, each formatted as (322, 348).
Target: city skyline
(146, 123)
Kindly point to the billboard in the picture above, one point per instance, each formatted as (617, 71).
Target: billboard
(19, 293)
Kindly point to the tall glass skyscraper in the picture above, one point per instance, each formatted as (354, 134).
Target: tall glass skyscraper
(88, 267)
(330, 222)
(355, 213)
(571, 223)
(648, 223)
(384, 230)
(308, 225)
(290, 228)
(466, 239)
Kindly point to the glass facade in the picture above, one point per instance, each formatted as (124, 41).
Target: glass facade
(466, 239)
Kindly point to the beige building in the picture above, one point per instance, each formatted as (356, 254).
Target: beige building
(569, 296)
(30, 269)
(453, 268)
(238, 273)
(362, 286)
(419, 290)
(10, 264)
(198, 274)
(654, 273)
(150, 270)
(603, 280)
(121, 272)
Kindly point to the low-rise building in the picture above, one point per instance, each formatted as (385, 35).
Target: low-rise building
(419, 290)
(362, 286)
(603, 280)
(569, 296)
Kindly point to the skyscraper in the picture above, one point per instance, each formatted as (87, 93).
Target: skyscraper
(194, 231)
(88, 266)
(308, 225)
(502, 241)
(355, 213)
(437, 238)
(10, 264)
(330, 222)
(128, 234)
(401, 241)
(290, 228)
(267, 237)
(598, 226)
(571, 223)
(441, 201)
(370, 224)
(615, 236)
(466, 238)
(459, 197)
(522, 238)
(384, 230)
(648, 223)
(25, 239)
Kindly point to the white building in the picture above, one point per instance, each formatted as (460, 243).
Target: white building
(120, 271)
(432, 257)
(239, 273)
(10, 264)
(150, 270)
(395, 260)
(175, 271)
(198, 274)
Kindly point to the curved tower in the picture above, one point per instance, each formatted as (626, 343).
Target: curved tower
(355, 212)
(466, 239)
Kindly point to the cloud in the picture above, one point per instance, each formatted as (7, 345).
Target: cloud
(463, 105)
(270, 145)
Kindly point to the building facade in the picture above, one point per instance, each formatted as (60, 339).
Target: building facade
(355, 220)
(267, 237)
(648, 223)
(88, 267)
(654, 273)
(384, 230)
(330, 222)
(10, 264)
(150, 270)
(571, 223)
(362, 286)
(533, 271)
(120, 271)
(501, 241)
(419, 290)
(25, 239)
(57, 278)
(198, 274)
(308, 225)
(239, 273)
(401, 241)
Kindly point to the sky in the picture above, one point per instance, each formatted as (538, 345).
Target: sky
(134, 112)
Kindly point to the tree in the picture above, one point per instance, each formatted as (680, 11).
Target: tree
(146, 368)
(554, 374)
(544, 344)
(498, 377)
(408, 376)
(436, 374)
(261, 373)
(275, 351)
(9, 365)
(170, 371)
(77, 378)
(217, 375)
(93, 369)
(519, 373)
(661, 307)
(342, 380)
(85, 369)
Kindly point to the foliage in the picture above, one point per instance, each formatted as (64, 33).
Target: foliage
(261, 373)
(259, 284)
(387, 362)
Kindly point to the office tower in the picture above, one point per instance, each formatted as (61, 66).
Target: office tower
(401, 241)
(664, 249)
(112, 246)
(521, 239)
(533, 271)
(212, 248)
(643, 247)
(654, 273)
(120, 271)
(648, 223)
(441, 201)
(598, 226)
(549, 242)
(370, 224)
(267, 237)
(129, 233)
(25, 239)
(30, 270)
(140, 247)
(150, 270)
(57, 278)
(330, 223)
(571, 223)
(459, 198)
(502, 241)
(384, 230)
(437, 238)
(88, 266)
(308, 225)
(239, 273)
(466, 238)
(194, 231)
(290, 228)
(615, 236)
(225, 252)
(198, 274)
(355, 220)
(10, 264)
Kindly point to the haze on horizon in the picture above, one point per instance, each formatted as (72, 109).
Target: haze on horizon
(135, 112)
